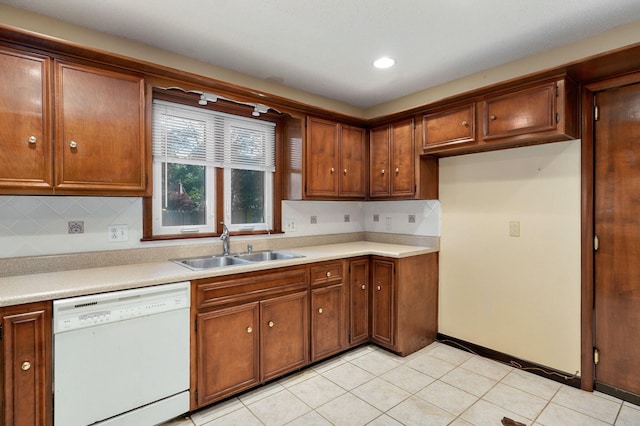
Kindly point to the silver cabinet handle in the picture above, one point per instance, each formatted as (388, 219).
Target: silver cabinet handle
(465, 123)
(493, 117)
(249, 329)
(379, 288)
(345, 171)
(328, 274)
(333, 170)
(363, 286)
(382, 171)
(397, 169)
(32, 139)
(320, 310)
(25, 366)
(270, 324)
(73, 144)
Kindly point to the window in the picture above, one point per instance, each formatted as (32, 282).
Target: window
(189, 143)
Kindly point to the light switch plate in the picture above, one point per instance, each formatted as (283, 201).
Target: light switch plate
(514, 229)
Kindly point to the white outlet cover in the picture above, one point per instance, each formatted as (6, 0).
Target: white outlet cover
(116, 233)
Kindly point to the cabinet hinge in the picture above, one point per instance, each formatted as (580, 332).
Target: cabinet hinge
(196, 392)
(596, 243)
(557, 117)
(557, 92)
(596, 113)
(596, 356)
(195, 325)
(1, 333)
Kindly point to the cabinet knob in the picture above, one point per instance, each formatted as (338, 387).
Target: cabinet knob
(382, 171)
(345, 171)
(492, 118)
(73, 144)
(25, 366)
(270, 324)
(320, 310)
(328, 274)
(397, 169)
(379, 288)
(363, 286)
(32, 139)
(249, 329)
(333, 170)
(465, 123)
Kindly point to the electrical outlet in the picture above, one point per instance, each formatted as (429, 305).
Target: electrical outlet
(314, 220)
(514, 229)
(291, 225)
(376, 217)
(117, 233)
(387, 223)
(76, 227)
(347, 218)
(412, 218)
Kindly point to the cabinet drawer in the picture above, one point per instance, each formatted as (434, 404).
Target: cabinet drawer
(327, 273)
(528, 111)
(449, 128)
(248, 287)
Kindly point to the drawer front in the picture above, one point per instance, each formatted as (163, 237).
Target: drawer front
(248, 287)
(327, 273)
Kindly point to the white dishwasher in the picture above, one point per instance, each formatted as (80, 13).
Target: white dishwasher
(122, 358)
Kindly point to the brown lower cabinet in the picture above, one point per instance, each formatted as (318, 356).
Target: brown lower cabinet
(253, 327)
(248, 328)
(26, 365)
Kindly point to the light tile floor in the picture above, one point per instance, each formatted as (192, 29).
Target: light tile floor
(438, 385)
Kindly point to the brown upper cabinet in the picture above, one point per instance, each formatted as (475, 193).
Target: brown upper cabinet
(97, 126)
(392, 161)
(537, 113)
(334, 160)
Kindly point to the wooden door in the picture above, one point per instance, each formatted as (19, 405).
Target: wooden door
(321, 174)
(379, 173)
(617, 225)
(99, 130)
(359, 301)
(227, 352)
(327, 322)
(26, 365)
(403, 159)
(284, 334)
(382, 306)
(352, 162)
(25, 124)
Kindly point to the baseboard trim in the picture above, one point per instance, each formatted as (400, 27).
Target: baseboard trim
(618, 393)
(530, 367)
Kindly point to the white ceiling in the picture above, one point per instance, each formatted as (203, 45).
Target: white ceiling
(326, 47)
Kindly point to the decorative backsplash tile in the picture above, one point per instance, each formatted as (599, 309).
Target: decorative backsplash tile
(39, 225)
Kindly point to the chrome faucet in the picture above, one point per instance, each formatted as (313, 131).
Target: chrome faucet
(225, 239)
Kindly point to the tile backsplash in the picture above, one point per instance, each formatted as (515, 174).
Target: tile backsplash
(39, 225)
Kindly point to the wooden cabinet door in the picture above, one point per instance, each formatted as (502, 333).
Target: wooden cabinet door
(321, 165)
(327, 322)
(26, 365)
(99, 142)
(284, 334)
(449, 128)
(382, 304)
(359, 301)
(527, 111)
(352, 162)
(227, 352)
(25, 124)
(379, 173)
(402, 159)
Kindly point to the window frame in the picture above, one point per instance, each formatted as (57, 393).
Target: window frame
(191, 99)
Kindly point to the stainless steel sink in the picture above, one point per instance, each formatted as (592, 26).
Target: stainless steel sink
(208, 262)
(264, 256)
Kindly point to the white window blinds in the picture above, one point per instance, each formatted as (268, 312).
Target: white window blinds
(185, 134)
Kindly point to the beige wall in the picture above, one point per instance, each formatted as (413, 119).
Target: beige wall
(613, 39)
(518, 295)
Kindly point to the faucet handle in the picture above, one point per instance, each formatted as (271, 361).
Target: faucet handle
(249, 248)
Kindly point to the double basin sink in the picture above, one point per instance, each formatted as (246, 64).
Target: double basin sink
(209, 262)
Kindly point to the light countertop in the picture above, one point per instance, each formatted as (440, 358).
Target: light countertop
(15, 290)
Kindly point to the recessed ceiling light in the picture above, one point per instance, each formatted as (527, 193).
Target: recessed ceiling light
(384, 62)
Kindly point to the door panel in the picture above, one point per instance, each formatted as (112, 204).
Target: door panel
(617, 224)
